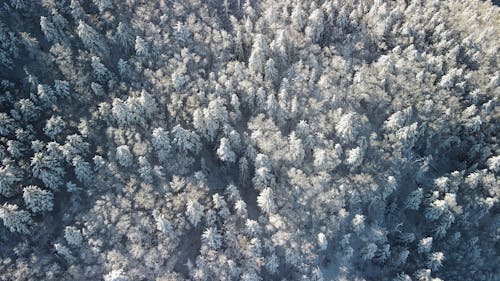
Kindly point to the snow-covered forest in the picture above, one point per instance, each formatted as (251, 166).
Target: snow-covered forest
(249, 140)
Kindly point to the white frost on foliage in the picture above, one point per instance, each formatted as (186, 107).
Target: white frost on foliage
(116, 275)
(297, 140)
(14, 219)
(164, 225)
(124, 156)
(38, 200)
(194, 211)
(73, 235)
(212, 237)
(265, 201)
(322, 242)
(225, 152)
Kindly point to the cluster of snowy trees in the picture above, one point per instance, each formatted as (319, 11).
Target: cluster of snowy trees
(249, 140)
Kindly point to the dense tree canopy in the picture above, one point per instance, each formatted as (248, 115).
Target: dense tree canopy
(249, 140)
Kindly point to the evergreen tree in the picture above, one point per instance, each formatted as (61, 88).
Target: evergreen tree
(38, 200)
(15, 220)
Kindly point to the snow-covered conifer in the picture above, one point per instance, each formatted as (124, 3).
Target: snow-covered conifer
(225, 152)
(38, 200)
(48, 29)
(270, 71)
(116, 275)
(141, 47)
(54, 126)
(124, 35)
(212, 237)
(243, 168)
(315, 25)
(6, 124)
(494, 163)
(298, 16)
(258, 57)
(103, 4)
(436, 260)
(425, 245)
(355, 157)
(62, 88)
(14, 219)
(90, 38)
(76, 9)
(194, 211)
(73, 235)
(414, 199)
(164, 225)
(322, 242)
(46, 95)
(390, 187)
(15, 148)
(296, 148)
(369, 251)
(436, 209)
(265, 201)
(185, 140)
(100, 71)
(145, 169)
(9, 175)
(348, 128)
(358, 223)
(124, 156)
(241, 207)
(272, 264)
(64, 251)
(161, 143)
